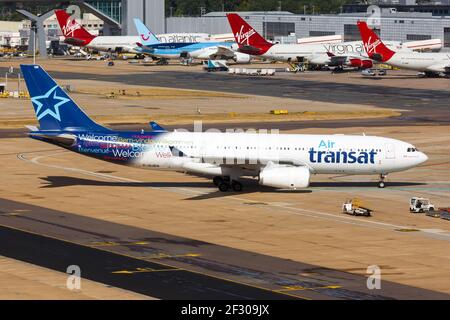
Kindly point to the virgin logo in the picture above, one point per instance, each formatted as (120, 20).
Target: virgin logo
(244, 36)
(371, 47)
(70, 27)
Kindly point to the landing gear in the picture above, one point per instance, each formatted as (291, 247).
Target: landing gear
(236, 186)
(217, 181)
(224, 184)
(381, 183)
(162, 62)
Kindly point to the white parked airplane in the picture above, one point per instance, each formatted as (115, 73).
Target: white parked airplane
(284, 161)
(428, 62)
(76, 35)
(350, 54)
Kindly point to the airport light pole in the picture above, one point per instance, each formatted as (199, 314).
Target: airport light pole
(33, 28)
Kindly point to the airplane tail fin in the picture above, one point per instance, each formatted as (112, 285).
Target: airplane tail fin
(246, 37)
(54, 109)
(373, 45)
(147, 37)
(71, 29)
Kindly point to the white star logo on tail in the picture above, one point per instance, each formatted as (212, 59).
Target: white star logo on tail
(40, 112)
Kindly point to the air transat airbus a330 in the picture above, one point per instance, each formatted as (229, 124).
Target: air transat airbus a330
(279, 160)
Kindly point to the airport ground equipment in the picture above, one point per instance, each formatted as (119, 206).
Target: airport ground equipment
(252, 71)
(374, 72)
(279, 111)
(215, 65)
(420, 205)
(355, 207)
(444, 213)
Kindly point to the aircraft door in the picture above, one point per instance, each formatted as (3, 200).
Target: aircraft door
(390, 151)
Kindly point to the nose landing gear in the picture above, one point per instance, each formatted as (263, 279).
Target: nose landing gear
(381, 183)
(225, 183)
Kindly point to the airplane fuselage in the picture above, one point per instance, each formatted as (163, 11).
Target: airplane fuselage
(419, 61)
(317, 53)
(176, 50)
(208, 153)
(128, 43)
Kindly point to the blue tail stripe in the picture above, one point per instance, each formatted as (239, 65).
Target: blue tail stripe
(54, 109)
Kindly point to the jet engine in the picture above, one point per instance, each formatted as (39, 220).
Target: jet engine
(241, 57)
(360, 63)
(285, 177)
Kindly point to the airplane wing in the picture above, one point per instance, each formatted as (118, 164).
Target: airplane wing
(349, 60)
(248, 164)
(225, 51)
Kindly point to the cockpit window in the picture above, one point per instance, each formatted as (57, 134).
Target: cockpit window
(412, 150)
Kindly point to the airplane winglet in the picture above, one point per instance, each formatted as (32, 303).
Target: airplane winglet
(177, 152)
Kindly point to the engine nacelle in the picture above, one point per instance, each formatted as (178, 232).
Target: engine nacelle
(285, 177)
(360, 63)
(241, 57)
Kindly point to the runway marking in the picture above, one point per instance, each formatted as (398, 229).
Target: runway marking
(142, 270)
(169, 256)
(301, 288)
(112, 243)
(160, 263)
(293, 210)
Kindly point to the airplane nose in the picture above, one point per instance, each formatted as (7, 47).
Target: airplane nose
(423, 157)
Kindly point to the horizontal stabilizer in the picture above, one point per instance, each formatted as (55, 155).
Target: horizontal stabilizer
(65, 140)
(156, 127)
(31, 128)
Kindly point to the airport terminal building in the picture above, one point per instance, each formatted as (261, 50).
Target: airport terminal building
(114, 17)
(286, 27)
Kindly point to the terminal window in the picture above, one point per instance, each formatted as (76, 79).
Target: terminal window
(278, 29)
(417, 37)
(447, 37)
(111, 8)
(321, 33)
(351, 32)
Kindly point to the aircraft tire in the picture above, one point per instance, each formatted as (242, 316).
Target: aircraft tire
(224, 187)
(236, 186)
(217, 180)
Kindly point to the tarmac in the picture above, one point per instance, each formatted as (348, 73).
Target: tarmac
(146, 234)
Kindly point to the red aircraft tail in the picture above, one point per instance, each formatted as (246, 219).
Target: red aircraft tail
(72, 30)
(374, 47)
(246, 37)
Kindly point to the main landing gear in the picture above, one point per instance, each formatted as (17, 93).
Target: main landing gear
(225, 183)
(381, 183)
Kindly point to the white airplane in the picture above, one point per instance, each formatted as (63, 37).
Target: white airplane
(152, 46)
(284, 161)
(76, 35)
(428, 62)
(350, 54)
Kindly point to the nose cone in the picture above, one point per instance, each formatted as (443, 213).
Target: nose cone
(423, 157)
